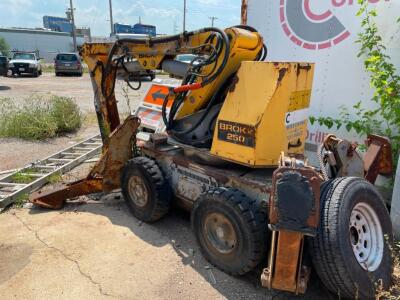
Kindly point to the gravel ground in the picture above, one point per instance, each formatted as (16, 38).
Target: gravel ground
(15, 153)
(95, 249)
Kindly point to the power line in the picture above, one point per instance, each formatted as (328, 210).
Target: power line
(212, 20)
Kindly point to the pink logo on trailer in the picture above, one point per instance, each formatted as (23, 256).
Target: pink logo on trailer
(310, 30)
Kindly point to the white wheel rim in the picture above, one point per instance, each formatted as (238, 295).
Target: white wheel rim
(366, 237)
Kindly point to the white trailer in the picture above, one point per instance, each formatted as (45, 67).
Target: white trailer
(325, 32)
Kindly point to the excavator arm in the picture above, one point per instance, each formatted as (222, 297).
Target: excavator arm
(205, 82)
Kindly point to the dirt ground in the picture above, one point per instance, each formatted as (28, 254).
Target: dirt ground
(94, 248)
(15, 153)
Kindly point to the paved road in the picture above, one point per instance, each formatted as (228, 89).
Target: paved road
(99, 250)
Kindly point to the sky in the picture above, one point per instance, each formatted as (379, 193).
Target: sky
(167, 15)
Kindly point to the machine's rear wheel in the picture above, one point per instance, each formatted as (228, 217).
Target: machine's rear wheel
(145, 189)
(231, 230)
(351, 252)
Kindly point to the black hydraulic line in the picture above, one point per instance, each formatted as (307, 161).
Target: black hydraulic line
(178, 101)
(265, 53)
(220, 92)
(134, 88)
(223, 41)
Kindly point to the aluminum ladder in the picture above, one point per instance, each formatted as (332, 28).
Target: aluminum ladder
(37, 174)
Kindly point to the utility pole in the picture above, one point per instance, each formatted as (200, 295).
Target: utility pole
(184, 15)
(212, 20)
(111, 17)
(73, 24)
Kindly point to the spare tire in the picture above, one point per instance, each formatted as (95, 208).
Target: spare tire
(352, 250)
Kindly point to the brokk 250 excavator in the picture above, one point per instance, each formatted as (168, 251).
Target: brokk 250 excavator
(233, 156)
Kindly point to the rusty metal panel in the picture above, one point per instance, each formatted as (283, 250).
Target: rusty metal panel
(105, 175)
(54, 198)
(289, 247)
(116, 152)
(378, 159)
(313, 178)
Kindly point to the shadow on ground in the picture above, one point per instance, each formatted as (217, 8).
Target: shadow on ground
(174, 229)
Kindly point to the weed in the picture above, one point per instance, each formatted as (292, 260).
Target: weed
(20, 177)
(55, 178)
(38, 118)
(394, 291)
(66, 113)
(21, 200)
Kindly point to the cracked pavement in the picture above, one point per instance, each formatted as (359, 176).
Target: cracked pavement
(98, 250)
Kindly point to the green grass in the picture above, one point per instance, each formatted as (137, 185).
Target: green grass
(21, 200)
(22, 177)
(55, 178)
(39, 118)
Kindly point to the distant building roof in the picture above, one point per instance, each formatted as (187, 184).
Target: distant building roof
(36, 31)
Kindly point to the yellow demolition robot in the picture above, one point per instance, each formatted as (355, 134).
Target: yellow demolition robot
(232, 154)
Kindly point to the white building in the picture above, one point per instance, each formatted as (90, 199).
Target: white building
(48, 43)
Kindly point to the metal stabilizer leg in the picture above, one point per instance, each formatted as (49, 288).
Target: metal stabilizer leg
(105, 175)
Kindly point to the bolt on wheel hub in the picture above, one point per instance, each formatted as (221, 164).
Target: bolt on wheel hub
(138, 191)
(220, 233)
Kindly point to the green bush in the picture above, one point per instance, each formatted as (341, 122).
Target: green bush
(4, 47)
(38, 118)
(66, 114)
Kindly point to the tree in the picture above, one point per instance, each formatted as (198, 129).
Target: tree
(4, 47)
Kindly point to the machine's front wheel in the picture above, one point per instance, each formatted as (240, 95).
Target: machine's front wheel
(145, 189)
(231, 230)
(351, 252)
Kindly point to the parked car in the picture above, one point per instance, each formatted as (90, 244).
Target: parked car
(68, 63)
(25, 63)
(3, 65)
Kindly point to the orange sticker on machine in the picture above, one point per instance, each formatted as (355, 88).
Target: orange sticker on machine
(156, 95)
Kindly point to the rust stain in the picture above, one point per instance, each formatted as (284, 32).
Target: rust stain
(282, 73)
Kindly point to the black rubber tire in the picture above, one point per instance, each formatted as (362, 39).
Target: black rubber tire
(249, 220)
(331, 250)
(157, 187)
(40, 73)
(35, 74)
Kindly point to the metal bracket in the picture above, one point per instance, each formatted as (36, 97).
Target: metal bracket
(105, 175)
